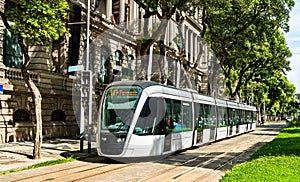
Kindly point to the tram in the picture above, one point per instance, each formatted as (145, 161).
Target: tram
(145, 119)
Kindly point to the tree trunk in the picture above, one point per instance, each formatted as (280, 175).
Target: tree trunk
(35, 92)
(37, 98)
(38, 113)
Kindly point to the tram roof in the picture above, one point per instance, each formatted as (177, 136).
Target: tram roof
(143, 84)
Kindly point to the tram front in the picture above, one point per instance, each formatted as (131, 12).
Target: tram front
(116, 114)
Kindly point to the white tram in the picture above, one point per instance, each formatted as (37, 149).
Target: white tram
(145, 119)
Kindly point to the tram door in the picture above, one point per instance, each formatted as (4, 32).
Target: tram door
(213, 122)
(231, 121)
(168, 125)
(199, 111)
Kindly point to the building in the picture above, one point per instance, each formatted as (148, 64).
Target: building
(114, 56)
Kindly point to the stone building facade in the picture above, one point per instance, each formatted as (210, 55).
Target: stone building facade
(113, 56)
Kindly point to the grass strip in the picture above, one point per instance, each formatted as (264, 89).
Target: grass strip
(278, 160)
(42, 164)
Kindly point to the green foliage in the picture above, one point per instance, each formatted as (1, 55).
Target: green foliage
(295, 123)
(42, 164)
(266, 169)
(285, 144)
(247, 38)
(164, 10)
(278, 160)
(38, 22)
(275, 90)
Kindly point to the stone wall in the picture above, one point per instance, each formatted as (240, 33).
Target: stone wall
(57, 95)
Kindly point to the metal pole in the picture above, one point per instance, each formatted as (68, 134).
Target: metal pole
(90, 115)
(83, 79)
(150, 64)
(90, 75)
(88, 36)
(81, 113)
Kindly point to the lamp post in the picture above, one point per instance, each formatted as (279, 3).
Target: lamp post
(86, 89)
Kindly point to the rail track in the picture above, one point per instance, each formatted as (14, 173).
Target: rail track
(205, 163)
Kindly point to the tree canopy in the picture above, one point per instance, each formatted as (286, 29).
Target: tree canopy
(37, 22)
(247, 38)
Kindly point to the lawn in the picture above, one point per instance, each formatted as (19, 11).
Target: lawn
(278, 160)
(47, 163)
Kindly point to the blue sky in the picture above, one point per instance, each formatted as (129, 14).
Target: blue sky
(293, 40)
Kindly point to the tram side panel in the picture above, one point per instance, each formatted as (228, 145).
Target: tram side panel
(232, 121)
(222, 121)
(242, 119)
(205, 119)
(254, 120)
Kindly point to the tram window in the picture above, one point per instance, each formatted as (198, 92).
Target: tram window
(212, 118)
(118, 107)
(200, 118)
(177, 116)
(236, 116)
(248, 117)
(254, 116)
(187, 118)
(242, 115)
(168, 117)
(151, 117)
(222, 116)
(232, 117)
(207, 116)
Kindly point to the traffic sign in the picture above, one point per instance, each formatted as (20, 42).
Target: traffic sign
(75, 68)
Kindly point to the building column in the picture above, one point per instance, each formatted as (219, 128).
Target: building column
(187, 44)
(191, 60)
(133, 16)
(122, 11)
(108, 9)
(133, 10)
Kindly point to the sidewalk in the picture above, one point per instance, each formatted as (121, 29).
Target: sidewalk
(19, 154)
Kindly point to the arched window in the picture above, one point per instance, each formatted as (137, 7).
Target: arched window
(58, 115)
(118, 65)
(104, 65)
(127, 73)
(130, 61)
(118, 57)
(21, 115)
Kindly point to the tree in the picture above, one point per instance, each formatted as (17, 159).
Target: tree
(274, 90)
(164, 10)
(247, 38)
(36, 22)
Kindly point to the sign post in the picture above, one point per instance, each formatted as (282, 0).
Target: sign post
(86, 90)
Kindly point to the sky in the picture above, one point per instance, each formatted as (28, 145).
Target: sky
(293, 41)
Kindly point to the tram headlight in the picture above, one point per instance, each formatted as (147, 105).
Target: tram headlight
(104, 139)
(120, 140)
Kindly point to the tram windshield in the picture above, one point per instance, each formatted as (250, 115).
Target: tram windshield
(119, 106)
